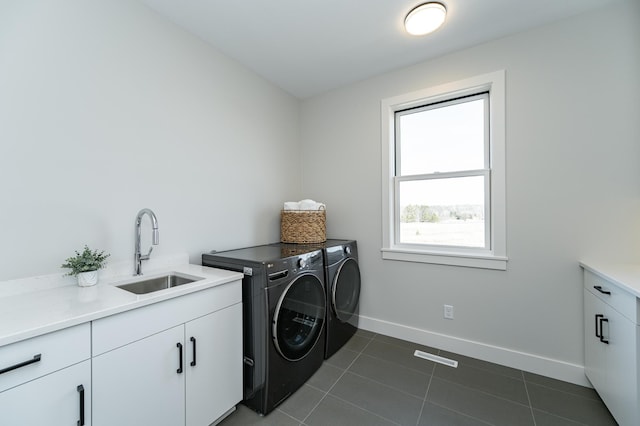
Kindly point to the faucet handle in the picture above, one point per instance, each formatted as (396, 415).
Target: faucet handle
(146, 256)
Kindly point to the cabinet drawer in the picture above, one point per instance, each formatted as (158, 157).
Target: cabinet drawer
(618, 299)
(118, 330)
(32, 358)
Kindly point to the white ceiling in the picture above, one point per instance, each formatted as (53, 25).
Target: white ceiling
(308, 47)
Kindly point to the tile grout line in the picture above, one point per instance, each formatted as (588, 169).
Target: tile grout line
(289, 415)
(386, 385)
(526, 389)
(485, 392)
(451, 409)
(468, 416)
(332, 386)
(433, 372)
(421, 372)
(424, 400)
(365, 410)
(573, 421)
(549, 412)
(564, 391)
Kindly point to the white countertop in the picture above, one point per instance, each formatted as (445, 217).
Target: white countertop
(625, 275)
(40, 309)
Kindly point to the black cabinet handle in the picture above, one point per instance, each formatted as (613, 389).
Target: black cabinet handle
(179, 370)
(602, 339)
(599, 288)
(598, 316)
(36, 358)
(80, 390)
(193, 341)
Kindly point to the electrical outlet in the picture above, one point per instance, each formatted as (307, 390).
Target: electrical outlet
(448, 311)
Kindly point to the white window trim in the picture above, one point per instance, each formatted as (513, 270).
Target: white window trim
(496, 257)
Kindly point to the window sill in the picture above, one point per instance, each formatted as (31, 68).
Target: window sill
(469, 261)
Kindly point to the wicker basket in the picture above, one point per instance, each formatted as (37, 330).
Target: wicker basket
(303, 226)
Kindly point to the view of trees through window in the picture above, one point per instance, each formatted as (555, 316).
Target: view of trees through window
(461, 225)
(434, 214)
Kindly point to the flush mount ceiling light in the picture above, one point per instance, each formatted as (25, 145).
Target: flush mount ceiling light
(425, 18)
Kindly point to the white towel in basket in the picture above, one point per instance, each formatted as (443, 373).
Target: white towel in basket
(304, 205)
(291, 205)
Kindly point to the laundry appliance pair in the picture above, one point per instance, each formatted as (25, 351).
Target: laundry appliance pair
(300, 305)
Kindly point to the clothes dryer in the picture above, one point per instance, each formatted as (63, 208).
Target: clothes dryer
(284, 311)
(342, 274)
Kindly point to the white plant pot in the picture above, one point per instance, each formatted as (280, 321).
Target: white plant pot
(87, 279)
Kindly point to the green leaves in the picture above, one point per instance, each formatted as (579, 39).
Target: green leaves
(86, 261)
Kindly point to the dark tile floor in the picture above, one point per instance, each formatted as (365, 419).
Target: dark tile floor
(376, 380)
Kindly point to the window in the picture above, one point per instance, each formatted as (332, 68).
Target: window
(444, 174)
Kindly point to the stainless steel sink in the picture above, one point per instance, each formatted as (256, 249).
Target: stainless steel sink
(158, 283)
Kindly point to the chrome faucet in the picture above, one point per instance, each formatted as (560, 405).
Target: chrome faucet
(138, 256)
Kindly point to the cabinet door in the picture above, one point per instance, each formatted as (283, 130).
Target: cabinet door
(595, 363)
(612, 366)
(214, 383)
(621, 393)
(55, 399)
(139, 383)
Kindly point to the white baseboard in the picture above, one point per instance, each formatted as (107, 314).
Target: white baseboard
(561, 370)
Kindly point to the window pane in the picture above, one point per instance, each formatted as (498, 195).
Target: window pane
(446, 211)
(443, 139)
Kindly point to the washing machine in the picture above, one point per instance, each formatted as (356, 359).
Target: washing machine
(284, 311)
(342, 274)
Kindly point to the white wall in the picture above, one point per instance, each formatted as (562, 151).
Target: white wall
(107, 108)
(573, 191)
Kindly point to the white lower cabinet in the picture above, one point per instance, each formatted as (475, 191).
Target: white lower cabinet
(60, 398)
(611, 347)
(595, 354)
(214, 381)
(189, 374)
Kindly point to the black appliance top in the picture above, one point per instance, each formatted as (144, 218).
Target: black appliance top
(272, 252)
(260, 254)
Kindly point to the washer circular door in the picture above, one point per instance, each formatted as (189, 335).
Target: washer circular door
(345, 291)
(299, 317)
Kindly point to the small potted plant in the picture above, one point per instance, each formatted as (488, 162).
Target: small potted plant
(85, 266)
